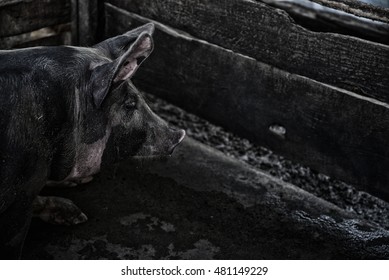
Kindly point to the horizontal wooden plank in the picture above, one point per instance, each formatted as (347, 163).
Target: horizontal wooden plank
(363, 8)
(318, 17)
(53, 40)
(335, 131)
(4, 3)
(24, 16)
(48, 36)
(271, 36)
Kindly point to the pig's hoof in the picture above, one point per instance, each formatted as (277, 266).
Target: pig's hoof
(66, 184)
(58, 211)
(69, 183)
(84, 180)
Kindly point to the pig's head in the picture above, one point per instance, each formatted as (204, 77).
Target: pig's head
(135, 129)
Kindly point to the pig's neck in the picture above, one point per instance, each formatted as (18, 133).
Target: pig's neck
(88, 157)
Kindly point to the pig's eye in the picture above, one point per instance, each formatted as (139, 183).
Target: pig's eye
(130, 106)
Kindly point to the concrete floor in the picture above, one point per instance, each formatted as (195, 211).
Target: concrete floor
(200, 204)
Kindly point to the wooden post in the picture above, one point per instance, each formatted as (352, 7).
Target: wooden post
(84, 22)
(74, 22)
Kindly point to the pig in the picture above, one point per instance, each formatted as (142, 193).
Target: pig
(59, 108)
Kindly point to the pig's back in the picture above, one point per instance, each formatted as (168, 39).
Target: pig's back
(34, 100)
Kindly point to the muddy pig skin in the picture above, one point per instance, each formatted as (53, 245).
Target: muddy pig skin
(59, 107)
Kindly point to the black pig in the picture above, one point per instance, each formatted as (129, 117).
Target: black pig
(59, 107)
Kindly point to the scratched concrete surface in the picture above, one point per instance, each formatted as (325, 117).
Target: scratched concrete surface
(200, 204)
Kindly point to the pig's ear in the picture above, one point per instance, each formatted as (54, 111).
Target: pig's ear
(116, 46)
(121, 69)
(133, 58)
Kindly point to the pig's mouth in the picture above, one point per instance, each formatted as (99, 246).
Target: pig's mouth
(181, 136)
(151, 158)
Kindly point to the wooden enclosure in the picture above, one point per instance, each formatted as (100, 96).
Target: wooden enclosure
(31, 23)
(311, 84)
(250, 67)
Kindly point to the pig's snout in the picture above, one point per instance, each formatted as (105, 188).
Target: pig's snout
(178, 136)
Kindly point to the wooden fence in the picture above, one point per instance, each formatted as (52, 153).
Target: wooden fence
(250, 67)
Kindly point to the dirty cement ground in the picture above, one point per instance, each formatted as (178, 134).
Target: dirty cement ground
(137, 214)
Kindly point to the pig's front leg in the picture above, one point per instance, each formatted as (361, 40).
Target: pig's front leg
(69, 183)
(58, 211)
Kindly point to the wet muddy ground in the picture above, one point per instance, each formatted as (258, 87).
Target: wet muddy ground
(213, 202)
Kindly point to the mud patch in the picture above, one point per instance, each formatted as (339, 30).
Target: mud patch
(151, 222)
(203, 250)
(99, 248)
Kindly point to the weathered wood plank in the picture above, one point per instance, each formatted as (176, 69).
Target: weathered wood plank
(9, 2)
(335, 131)
(53, 40)
(48, 36)
(270, 35)
(24, 16)
(359, 8)
(318, 17)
